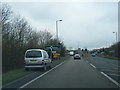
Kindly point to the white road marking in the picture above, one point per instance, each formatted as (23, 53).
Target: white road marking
(18, 79)
(40, 76)
(115, 82)
(92, 65)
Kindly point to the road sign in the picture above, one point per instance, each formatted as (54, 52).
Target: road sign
(57, 54)
(48, 48)
(53, 51)
(56, 48)
(52, 48)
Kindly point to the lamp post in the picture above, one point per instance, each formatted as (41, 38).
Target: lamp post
(116, 36)
(57, 30)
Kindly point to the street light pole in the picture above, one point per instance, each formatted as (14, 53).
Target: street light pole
(57, 30)
(116, 36)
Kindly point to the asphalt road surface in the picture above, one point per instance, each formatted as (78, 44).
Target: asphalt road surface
(71, 74)
(108, 66)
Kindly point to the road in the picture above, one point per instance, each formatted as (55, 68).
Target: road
(105, 65)
(72, 74)
(69, 74)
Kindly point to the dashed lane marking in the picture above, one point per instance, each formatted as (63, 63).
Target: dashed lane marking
(115, 82)
(92, 65)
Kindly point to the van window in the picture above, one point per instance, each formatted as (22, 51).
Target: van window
(44, 55)
(33, 54)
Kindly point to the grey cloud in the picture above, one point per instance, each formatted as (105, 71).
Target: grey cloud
(90, 24)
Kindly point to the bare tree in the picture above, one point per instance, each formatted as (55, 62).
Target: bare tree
(18, 36)
(44, 38)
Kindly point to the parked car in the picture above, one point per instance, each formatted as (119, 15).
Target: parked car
(77, 56)
(36, 58)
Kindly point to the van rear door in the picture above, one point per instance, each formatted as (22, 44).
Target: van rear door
(33, 57)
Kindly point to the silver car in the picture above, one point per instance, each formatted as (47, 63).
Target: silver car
(36, 58)
(77, 56)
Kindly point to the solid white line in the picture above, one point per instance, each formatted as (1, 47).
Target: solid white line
(18, 79)
(92, 65)
(115, 82)
(40, 75)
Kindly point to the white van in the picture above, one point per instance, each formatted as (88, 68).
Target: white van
(36, 58)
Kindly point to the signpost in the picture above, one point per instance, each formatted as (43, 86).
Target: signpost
(56, 55)
(54, 50)
(49, 50)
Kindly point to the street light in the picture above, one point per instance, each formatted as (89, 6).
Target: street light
(57, 29)
(116, 36)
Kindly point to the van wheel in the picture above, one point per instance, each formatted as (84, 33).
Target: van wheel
(26, 69)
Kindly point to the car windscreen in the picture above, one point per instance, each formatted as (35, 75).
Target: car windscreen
(77, 55)
(33, 54)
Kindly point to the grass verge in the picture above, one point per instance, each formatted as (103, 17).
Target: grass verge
(62, 59)
(13, 75)
(110, 57)
(18, 73)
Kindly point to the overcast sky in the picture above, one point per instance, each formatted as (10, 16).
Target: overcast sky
(85, 24)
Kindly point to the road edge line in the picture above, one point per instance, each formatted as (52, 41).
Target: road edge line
(39, 76)
(115, 82)
(18, 79)
(92, 65)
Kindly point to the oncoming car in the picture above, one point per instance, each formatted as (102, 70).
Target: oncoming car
(36, 58)
(77, 56)
(93, 54)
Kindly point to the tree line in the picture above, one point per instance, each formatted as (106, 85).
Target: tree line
(18, 36)
(113, 50)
